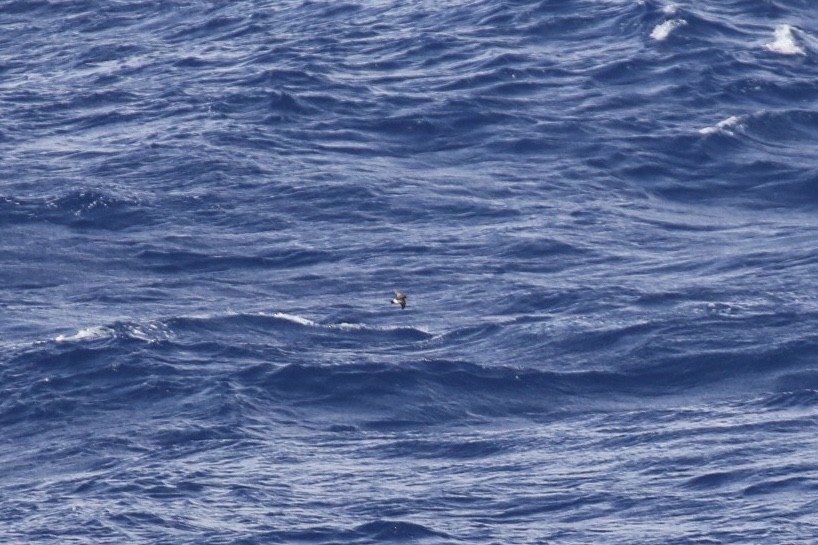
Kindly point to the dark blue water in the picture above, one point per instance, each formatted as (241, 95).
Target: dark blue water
(604, 215)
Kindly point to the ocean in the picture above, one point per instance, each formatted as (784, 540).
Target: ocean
(603, 215)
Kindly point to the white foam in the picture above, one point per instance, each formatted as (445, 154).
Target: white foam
(151, 332)
(87, 334)
(663, 30)
(670, 9)
(293, 318)
(722, 126)
(347, 326)
(784, 43)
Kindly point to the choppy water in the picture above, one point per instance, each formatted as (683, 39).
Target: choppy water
(603, 214)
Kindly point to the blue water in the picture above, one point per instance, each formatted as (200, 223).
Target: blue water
(604, 214)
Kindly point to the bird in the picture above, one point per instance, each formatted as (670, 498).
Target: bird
(400, 299)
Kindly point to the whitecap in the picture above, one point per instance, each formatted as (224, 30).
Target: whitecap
(670, 9)
(784, 43)
(722, 126)
(663, 30)
(151, 332)
(87, 334)
(294, 318)
(348, 326)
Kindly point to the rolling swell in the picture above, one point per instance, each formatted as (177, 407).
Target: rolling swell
(602, 214)
(394, 372)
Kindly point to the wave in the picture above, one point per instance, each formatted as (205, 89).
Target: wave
(547, 324)
(389, 530)
(78, 208)
(98, 369)
(355, 332)
(149, 332)
(378, 531)
(172, 261)
(234, 328)
(769, 129)
(661, 31)
(785, 42)
(793, 394)
(725, 126)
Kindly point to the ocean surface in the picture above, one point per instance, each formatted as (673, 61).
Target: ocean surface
(604, 215)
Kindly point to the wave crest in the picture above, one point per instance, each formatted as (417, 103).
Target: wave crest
(784, 42)
(661, 31)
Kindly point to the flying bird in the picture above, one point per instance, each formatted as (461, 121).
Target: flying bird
(400, 299)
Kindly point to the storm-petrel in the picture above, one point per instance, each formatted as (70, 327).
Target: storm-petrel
(400, 299)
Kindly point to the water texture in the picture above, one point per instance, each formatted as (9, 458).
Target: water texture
(603, 214)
